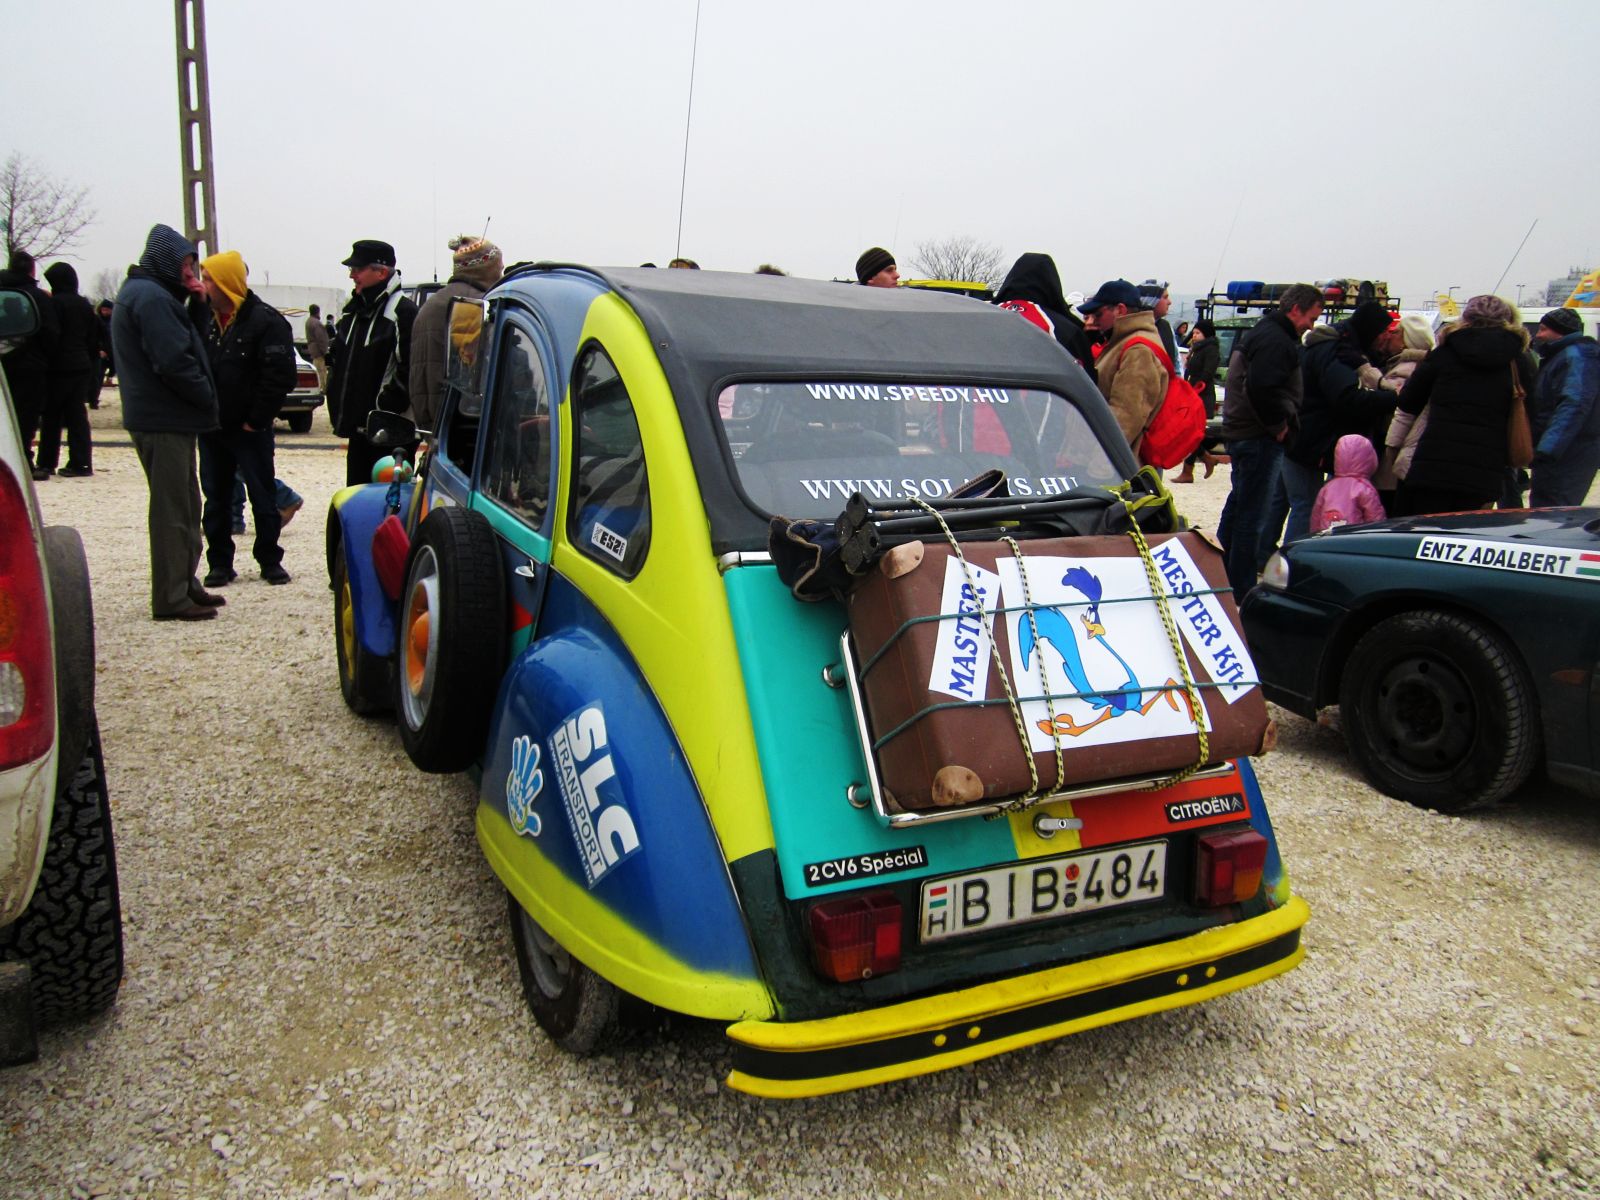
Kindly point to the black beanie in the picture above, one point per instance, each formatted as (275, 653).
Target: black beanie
(871, 262)
(1563, 321)
(1369, 320)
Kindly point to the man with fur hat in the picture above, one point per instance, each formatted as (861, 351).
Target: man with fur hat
(1339, 396)
(1131, 375)
(371, 353)
(168, 400)
(476, 266)
(252, 360)
(1564, 411)
(876, 268)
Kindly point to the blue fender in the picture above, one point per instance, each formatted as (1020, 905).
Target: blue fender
(359, 510)
(591, 816)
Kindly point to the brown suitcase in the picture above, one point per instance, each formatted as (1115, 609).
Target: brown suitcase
(946, 734)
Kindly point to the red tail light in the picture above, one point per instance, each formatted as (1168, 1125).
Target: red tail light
(27, 667)
(1228, 867)
(856, 937)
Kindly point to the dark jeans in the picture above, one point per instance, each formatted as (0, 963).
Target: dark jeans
(1301, 485)
(66, 407)
(1255, 466)
(282, 495)
(223, 454)
(30, 395)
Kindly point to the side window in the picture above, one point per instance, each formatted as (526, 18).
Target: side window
(465, 363)
(610, 509)
(517, 455)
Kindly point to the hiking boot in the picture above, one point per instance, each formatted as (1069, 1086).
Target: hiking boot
(275, 575)
(71, 472)
(218, 577)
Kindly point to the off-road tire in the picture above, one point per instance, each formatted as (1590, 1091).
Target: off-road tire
(73, 605)
(449, 649)
(1438, 710)
(363, 676)
(70, 935)
(580, 1011)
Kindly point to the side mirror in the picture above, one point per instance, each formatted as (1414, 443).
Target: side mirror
(389, 431)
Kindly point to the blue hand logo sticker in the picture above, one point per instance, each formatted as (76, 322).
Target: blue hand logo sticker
(523, 785)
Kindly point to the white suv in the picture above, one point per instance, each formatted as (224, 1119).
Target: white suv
(60, 919)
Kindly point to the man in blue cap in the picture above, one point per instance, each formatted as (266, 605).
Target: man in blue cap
(1129, 371)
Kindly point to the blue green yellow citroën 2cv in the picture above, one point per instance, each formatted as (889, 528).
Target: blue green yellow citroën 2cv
(683, 784)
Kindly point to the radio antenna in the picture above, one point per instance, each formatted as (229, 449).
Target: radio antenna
(1227, 241)
(683, 183)
(1496, 289)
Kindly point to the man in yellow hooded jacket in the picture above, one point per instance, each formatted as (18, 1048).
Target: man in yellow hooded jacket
(252, 360)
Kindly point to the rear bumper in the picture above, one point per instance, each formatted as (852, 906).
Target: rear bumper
(835, 1054)
(302, 402)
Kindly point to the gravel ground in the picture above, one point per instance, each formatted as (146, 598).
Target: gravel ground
(321, 998)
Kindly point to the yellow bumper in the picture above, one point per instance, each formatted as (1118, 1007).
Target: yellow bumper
(917, 1037)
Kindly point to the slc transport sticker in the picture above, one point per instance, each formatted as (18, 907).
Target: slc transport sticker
(1529, 560)
(602, 827)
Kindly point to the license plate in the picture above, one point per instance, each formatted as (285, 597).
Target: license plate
(1041, 889)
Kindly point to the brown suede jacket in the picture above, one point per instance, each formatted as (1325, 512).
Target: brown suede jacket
(1131, 378)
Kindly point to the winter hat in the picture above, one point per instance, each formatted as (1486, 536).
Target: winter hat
(229, 271)
(1489, 310)
(871, 262)
(1206, 326)
(370, 252)
(476, 258)
(1417, 332)
(1150, 293)
(1562, 320)
(164, 252)
(1369, 320)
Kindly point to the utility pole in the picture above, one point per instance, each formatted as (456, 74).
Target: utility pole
(194, 126)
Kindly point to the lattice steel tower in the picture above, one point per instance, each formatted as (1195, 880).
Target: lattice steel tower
(194, 122)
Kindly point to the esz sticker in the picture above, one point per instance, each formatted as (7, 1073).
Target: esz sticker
(609, 540)
(592, 796)
(524, 782)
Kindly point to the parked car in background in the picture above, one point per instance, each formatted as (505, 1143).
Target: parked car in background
(1462, 650)
(301, 405)
(676, 780)
(60, 918)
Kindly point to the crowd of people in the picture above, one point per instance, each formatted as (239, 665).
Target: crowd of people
(1321, 423)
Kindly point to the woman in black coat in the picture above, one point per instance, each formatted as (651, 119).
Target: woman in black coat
(1466, 385)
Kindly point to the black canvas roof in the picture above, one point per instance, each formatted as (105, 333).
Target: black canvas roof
(711, 328)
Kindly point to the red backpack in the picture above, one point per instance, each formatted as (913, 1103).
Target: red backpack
(1178, 425)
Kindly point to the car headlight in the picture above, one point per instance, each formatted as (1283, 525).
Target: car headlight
(1276, 572)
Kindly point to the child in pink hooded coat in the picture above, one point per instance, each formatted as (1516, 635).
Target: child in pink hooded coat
(1349, 497)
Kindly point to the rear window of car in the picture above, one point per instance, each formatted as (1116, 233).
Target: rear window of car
(801, 449)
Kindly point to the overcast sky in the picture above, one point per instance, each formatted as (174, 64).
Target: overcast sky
(1412, 142)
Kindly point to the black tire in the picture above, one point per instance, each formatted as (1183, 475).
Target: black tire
(70, 935)
(577, 1008)
(299, 422)
(72, 604)
(1439, 711)
(449, 648)
(363, 676)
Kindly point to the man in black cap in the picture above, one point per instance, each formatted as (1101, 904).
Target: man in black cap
(876, 268)
(1564, 411)
(371, 353)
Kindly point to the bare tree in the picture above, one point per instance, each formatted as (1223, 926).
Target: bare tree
(961, 258)
(39, 213)
(106, 283)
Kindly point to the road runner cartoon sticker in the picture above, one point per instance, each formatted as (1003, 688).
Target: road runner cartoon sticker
(592, 797)
(524, 782)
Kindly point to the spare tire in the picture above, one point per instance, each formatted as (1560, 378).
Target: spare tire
(450, 646)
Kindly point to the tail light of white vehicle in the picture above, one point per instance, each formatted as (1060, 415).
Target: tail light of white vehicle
(27, 679)
(1228, 867)
(856, 937)
(305, 379)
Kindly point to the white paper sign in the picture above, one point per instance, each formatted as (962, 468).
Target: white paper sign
(963, 651)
